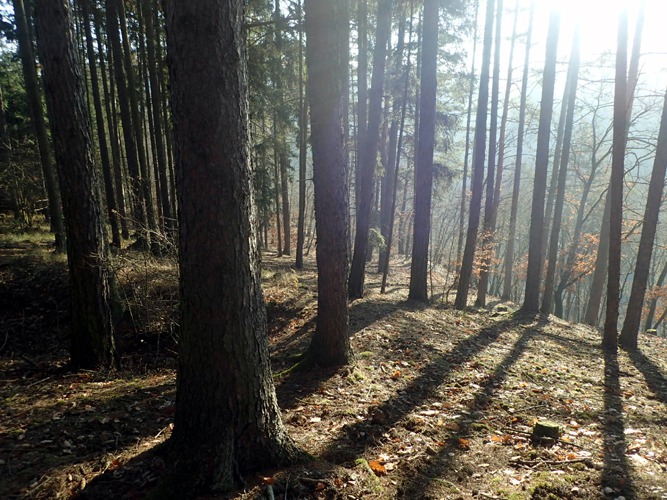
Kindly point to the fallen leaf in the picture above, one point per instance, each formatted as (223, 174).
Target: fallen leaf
(463, 444)
(377, 468)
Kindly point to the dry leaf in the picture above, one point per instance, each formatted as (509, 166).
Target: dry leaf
(377, 468)
(268, 480)
(396, 374)
(463, 444)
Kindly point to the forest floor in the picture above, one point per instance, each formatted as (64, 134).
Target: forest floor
(439, 403)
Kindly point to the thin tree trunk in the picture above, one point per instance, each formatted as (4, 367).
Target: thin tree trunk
(479, 155)
(101, 132)
(508, 263)
(573, 81)
(610, 337)
(534, 272)
(303, 151)
(487, 232)
(369, 152)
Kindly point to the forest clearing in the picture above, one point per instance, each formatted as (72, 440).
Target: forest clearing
(438, 403)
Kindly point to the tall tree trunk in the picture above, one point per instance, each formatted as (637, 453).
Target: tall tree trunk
(327, 33)
(568, 103)
(145, 182)
(531, 301)
(227, 419)
(92, 284)
(630, 330)
(101, 132)
(508, 263)
(39, 125)
(303, 151)
(389, 178)
(466, 160)
(138, 202)
(369, 152)
(654, 301)
(112, 130)
(479, 155)
(362, 95)
(158, 136)
(399, 148)
(610, 340)
(487, 232)
(424, 163)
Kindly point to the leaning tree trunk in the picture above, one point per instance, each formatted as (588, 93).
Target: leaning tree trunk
(568, 103)
(92, 284)
(39, 125)
(227, 420)
(630, 330)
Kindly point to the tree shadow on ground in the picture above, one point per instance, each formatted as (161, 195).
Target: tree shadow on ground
(652, 373)
(356, 437)
(297, 385)
(80, 430)
(617, 472)
(435, 468)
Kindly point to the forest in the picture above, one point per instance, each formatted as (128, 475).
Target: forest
(333, 249)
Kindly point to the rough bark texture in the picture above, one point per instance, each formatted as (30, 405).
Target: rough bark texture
(534, 272)
(227, 419)
(37, 117)
(424, 164)
(326, 31)
(87, 251)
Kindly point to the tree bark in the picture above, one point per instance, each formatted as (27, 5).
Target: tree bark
(326, 52)
(92, 283)
(568, 103)
(489, 205)
(508, 263)
(531, 300)
(369, 152)
(37, 117)
(424, 165)
(227, 420)
(479, 155)
(630, 330)
(610, 337)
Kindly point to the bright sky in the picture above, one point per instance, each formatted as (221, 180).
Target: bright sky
(599, 25)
